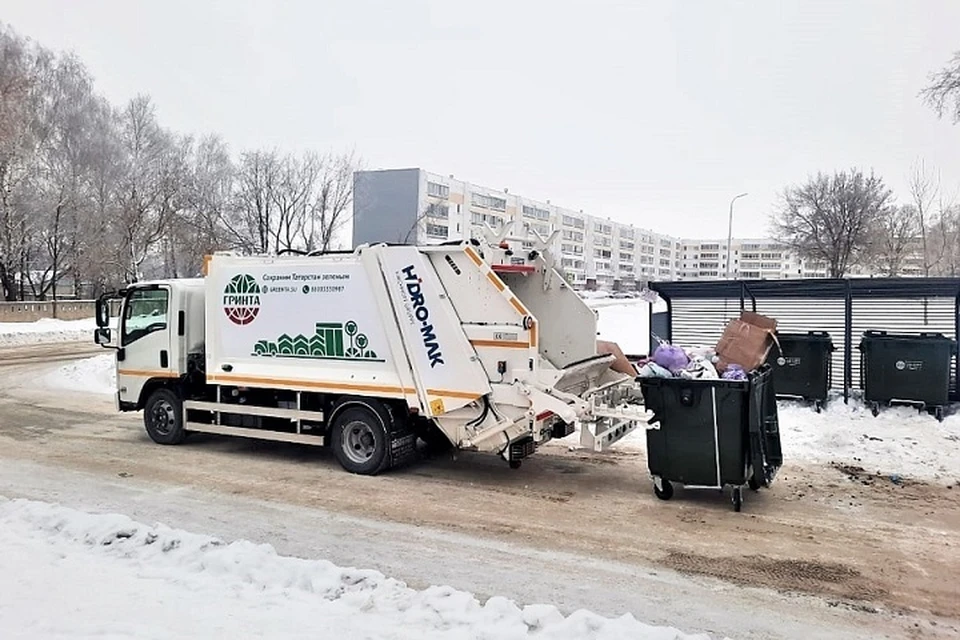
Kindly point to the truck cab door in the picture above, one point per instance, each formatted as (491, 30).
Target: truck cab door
(145, 332)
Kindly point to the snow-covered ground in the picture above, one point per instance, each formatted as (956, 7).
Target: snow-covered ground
(899, 441)
(46, 331)
(71, 575)
(93, 375)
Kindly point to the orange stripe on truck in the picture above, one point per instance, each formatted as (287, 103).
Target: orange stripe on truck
(518, 306)
(467, 395)
(495, 279)
(148, 373)
(500, 344)
(473, 256)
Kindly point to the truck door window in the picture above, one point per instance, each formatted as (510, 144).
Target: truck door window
(146, 312)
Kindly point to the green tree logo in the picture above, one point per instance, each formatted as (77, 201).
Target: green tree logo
(241, 299)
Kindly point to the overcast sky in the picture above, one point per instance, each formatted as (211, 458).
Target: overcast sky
(655, 113)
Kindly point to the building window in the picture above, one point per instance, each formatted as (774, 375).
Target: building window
(574, 249)
(599, 227)
(626, 257)
(665, 252)
(488, 202)
(626, 233)
(438, 190)
(576, 236)
(600, 253)
(535, 212)
(436, 231)
(489, 218)
(571, 221)
(710, 247)
(542, 229)
(626, 245)
(437, 210)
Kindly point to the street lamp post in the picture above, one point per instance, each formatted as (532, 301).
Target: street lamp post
(730, 231)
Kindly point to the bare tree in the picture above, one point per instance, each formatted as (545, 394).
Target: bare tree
(924, 189)
(251, 222)
(285, 202)
(105, 196)
(943, 91)
(893, 239)
(144, 194)
(830, 218)
(947, 231)
(201, 227)
(331, 207)
(25, 74)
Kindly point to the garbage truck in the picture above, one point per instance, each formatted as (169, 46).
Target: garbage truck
(471, 344)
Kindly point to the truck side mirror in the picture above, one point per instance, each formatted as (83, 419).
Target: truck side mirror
(103, 313)
(101, 336)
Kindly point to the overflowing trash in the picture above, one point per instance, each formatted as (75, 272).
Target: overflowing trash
(744, 346)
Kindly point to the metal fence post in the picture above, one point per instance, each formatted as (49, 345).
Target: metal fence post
(847, 342)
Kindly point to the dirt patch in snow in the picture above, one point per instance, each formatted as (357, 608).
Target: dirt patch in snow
(783, 574)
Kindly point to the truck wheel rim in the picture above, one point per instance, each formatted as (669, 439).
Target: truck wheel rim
(359, 444)
(163, 418)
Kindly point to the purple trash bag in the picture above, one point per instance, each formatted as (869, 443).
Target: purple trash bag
(671, 357)
(734, 372)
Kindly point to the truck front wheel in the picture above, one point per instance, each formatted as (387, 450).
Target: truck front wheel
(360, 442)
(163, 417)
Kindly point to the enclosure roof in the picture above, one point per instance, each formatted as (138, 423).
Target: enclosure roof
(810, 287)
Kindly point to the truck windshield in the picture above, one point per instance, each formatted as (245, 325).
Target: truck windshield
(146, 312)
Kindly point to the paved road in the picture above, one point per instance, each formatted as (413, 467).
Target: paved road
(818, 555)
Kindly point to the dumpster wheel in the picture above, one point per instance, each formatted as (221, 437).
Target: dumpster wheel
(662, 488)
(938, 413)
(737, 498)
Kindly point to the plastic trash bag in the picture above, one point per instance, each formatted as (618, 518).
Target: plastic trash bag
(671, 357)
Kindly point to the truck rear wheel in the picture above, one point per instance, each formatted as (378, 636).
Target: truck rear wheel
(163, 417)
(360, 440)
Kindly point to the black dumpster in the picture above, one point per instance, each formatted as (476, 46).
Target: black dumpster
(710, 434)
(906, 369)
(801, 364)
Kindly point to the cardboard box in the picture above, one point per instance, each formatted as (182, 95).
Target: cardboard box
(746, 341)
(620, 364)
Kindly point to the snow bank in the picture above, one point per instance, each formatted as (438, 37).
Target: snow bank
(93, 375)
(899, 441)
(46, 331)
(69, 575)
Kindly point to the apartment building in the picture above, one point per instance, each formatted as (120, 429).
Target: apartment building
(750, 259)
(418, 207)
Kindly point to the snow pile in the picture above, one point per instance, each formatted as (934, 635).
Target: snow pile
(93, 375)
(46, 331)
(69, 574)
(899, 441)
